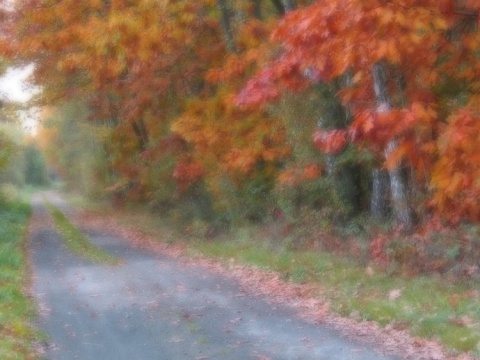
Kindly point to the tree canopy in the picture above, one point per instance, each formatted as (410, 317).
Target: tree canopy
(217, 97)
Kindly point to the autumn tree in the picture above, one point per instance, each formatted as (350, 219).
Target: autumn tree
(394, 84)
(239, 150)
(396, 54)
(130, 61)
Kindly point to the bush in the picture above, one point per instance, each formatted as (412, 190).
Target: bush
(9, 193)
(35, 167)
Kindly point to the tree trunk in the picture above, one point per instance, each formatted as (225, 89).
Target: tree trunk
(379, 198)
(289, 5)
(345, 175)
(257, 9)
(140, 131)
(279, 6)
(225, 20)
(403, 212)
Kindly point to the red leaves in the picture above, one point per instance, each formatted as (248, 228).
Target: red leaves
(330, 142)
(472, 4)
(325, 40)
(267, 86)
(186, 173)
(447, 7)
(377, 249)
(260, 90)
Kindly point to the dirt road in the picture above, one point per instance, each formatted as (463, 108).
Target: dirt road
(152, 307)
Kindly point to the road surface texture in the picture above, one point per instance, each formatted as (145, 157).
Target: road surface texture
(153, 307)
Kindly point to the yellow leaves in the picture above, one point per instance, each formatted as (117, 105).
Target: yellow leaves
(241, 160)
(70, 63)
(227, 140)
(440, 24)
(359, 76)
(415, 38)
(96, 4)
(419, 25)
(454, 184)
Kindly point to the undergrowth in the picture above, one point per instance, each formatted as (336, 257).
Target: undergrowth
(77, 242)
(16, 310)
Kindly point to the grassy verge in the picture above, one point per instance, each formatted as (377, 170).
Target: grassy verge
(427, 306)
(77, 242)
(16, 310)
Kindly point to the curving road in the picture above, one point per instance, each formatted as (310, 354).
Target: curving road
(153, 308)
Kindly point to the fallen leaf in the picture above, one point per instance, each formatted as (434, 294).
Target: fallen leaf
(369, 271)
(463, 321)
(394, 294)
(471, 270)
(235, 321)
(453, 300)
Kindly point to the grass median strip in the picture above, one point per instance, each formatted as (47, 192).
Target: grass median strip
(77, 242)
(16, 310)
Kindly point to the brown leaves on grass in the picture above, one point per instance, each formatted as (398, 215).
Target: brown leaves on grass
(394, 294)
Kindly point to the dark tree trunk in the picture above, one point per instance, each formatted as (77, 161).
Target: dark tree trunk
(279, 6)
(379, 199)
(289, 5)
(141, 133)
(257, 9)
(226, 22)
(345, 176)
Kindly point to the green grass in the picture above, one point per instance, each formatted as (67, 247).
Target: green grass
(16, 310)
(426, 304)
(426, 307)
(77, 242)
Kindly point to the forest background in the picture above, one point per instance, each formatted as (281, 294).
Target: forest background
(322, 120)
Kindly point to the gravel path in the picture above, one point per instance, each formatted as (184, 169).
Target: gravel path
(152, 307)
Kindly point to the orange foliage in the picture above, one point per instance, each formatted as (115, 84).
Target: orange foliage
(150, 69)
(297, 175)
(227, 141)
(338, 39)
(456, 175)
